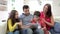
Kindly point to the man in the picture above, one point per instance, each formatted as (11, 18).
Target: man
(26, 18)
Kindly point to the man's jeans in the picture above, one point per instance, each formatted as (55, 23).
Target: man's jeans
(29, 31)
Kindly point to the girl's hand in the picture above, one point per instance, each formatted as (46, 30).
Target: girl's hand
(19, 23)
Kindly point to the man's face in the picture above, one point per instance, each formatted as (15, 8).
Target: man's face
(26, 11)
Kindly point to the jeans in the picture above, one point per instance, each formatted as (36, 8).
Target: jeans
(53, 31)
(26, 31)
(16, 32)
(30, 31)
(38, 31)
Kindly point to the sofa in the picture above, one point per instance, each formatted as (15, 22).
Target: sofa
(55, 30)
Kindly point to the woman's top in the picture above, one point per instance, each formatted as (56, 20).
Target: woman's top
(46, 18)
(11, 27)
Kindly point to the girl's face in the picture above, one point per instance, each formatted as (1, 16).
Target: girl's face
(36, 18)
(16, 15)
(45, 9)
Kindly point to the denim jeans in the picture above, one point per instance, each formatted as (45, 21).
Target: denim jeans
(16, 32)
(38, 31)
(23, 31)
(53, 31)
(29, 31)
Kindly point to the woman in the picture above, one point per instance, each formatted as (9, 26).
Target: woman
(13, 22)
(47, 17)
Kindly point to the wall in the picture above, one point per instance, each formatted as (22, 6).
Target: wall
(34, 5)
(19, 3)
(56, 8)
(18, 6)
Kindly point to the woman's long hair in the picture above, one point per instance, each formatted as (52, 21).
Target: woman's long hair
(49, 12)
(12, 17)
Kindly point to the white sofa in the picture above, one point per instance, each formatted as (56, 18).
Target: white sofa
(3, 27)
(57, 19)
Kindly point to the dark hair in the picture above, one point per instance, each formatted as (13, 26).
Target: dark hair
(37, 13)
(12, 17)
(25, 7)
(49, 13)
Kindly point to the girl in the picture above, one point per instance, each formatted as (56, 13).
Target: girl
(13, 22)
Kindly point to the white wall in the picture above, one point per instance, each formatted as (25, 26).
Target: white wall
(56, 8)
(34, 5)
(18, 5)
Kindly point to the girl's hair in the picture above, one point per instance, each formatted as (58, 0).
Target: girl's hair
(12, 17)
(37, 13)
(48, 13)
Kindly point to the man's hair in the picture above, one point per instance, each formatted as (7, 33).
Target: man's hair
(37, 13)
(25, 7)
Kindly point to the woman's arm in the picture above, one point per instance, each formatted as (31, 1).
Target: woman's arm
(20, 24)
(52, 22)
(11, 28)
(45, 30)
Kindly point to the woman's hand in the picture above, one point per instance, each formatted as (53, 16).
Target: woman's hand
(44, 28)
(44, 20)
(50, 23)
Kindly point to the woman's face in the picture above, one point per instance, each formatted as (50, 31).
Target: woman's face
(45, 9)
(16, 15)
